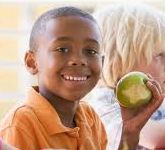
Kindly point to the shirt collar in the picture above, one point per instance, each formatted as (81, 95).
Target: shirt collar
(48, 115)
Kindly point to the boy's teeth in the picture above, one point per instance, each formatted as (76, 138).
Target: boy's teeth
(71, 78)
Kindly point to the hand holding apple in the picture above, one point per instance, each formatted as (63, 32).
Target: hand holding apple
(135, 118)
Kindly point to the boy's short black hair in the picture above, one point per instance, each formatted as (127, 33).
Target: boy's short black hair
(40, 24)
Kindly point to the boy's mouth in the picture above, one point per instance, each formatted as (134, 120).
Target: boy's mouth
(75, 78)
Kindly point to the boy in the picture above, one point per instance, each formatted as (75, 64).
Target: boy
(65, 55)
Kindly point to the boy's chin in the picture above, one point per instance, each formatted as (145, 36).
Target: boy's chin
(75, 97)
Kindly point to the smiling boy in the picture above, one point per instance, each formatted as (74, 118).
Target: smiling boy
(65, 56)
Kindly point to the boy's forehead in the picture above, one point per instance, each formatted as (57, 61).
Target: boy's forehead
(70, 25)
(70, 19)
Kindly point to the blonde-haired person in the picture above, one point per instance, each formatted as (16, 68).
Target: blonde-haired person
(133, 39)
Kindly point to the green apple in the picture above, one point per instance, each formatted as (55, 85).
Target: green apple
(131, 90)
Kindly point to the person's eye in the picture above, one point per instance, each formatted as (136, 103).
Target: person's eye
(92, 51)
(159, 55)
(62, 49)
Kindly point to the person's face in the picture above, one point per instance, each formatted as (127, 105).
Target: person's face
(156, 68)
(68, 57)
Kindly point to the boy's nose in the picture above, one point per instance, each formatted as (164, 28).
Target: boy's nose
(79, 61)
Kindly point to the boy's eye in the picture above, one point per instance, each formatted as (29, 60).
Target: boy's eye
(62, 49)
(92, 51)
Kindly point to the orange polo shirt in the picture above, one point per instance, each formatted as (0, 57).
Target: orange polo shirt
(35, 125)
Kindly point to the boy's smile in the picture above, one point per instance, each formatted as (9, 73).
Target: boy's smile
(79, 76)
(68, 58)
(76, 76)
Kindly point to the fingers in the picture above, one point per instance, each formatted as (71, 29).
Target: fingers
(157, 85)
(149, 75)
(154, 82)
(155, 89)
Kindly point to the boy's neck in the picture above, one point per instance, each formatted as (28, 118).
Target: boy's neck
(66, 109)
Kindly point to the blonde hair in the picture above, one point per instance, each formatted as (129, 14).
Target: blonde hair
(131, 33)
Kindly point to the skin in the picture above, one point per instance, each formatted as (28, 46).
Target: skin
(69, 48)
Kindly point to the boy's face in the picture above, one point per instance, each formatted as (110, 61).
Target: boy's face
(68, 57)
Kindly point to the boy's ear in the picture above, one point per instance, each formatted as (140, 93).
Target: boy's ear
(30, 62)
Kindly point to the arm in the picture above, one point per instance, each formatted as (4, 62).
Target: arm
(134, 120)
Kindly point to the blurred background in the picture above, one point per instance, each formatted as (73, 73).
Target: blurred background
(16, 19)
